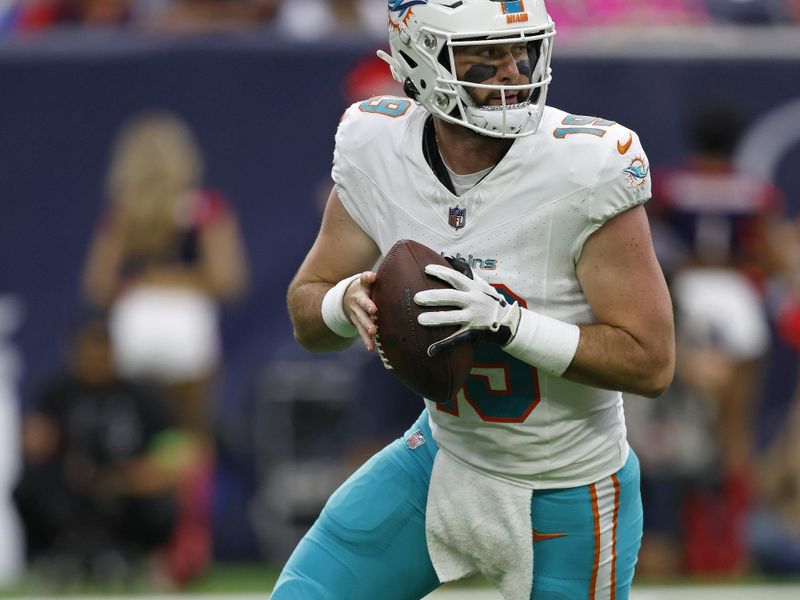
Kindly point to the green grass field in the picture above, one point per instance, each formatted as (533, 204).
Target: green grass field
(254, 582)
(249, 579)
(707, 592)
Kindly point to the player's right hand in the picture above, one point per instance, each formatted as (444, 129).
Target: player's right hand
(360, 309)
(478, 310)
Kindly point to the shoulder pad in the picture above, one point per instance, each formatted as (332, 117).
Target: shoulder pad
(591, 145)
(369, 119)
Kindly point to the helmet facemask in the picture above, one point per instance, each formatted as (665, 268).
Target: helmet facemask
(506, 119)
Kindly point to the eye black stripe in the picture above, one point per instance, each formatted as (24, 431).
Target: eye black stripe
(480, 73)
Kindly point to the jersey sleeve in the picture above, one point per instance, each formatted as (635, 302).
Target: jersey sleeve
(353, 186)
(623, 182)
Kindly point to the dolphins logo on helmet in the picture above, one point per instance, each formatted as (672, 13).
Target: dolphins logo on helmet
(401, 5)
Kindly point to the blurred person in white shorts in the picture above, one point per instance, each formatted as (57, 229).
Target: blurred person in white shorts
(166, 253)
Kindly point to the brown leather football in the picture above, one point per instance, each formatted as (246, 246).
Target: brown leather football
(401, 340)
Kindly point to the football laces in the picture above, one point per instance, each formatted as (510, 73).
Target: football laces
(384, 360)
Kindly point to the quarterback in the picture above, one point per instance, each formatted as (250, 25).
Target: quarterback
(526, 476)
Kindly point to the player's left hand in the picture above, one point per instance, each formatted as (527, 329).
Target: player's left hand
(360, 308)
(480, 311)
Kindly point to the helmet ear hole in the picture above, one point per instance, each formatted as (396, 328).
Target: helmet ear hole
(444, 58)
(412, 64)
(410, 89)
(423, 85)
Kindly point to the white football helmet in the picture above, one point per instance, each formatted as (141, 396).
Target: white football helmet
(423, 34)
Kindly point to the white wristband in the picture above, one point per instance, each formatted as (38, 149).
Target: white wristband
(333, 311)
(544, 342)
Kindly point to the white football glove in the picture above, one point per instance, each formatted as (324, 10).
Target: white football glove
(481, 311)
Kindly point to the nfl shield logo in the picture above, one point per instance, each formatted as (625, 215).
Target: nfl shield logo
(457, 217)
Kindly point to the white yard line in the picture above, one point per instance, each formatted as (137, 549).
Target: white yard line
(709, 592)
(743, 592)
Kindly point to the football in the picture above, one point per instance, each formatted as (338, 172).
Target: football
(401, 341)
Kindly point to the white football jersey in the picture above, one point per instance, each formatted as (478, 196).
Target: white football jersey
(522, 229)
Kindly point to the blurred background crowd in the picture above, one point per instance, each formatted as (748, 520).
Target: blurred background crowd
(311, 18)
(158, 191)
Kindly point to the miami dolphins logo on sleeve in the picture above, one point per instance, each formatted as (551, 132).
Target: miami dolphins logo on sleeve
(636, 173)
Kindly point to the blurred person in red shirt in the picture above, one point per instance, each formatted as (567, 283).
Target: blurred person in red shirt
(29, 16)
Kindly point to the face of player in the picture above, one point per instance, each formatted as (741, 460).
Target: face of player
(494, 64)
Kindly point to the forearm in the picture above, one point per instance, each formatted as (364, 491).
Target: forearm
(328, 298)
(224, 261)
(101, 274)
(225, 282)
(603, 356)
(631, 349)
(600, 355)
(612, 358)
(304, 301)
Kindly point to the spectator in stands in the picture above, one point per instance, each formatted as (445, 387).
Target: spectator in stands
(748, 12)
(711, 230)
(39, 15)
(167, 252)
(775, 525)
(17, 16)
(202, 15)
(315, 19)
(103, 460)
(604, 13)
(312, 19)
(793, 10)
(162, 15)
(95, 13)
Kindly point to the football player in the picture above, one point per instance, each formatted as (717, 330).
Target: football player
(525, 477)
